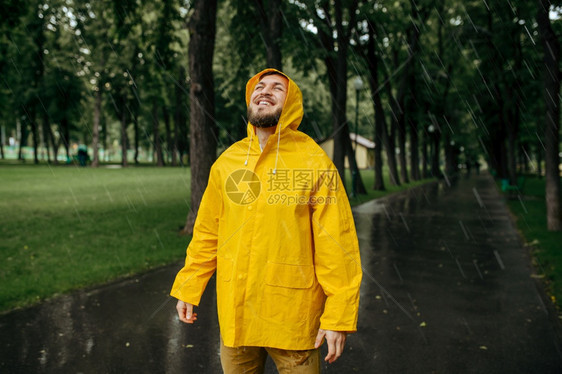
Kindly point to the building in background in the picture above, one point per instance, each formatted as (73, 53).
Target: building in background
(364, 150)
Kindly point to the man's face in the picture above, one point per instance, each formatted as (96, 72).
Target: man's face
(266, 102)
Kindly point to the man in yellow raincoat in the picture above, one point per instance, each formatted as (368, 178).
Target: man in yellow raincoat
(276, 225)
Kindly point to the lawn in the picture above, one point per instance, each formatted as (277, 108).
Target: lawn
(65, 227)
(530, 213)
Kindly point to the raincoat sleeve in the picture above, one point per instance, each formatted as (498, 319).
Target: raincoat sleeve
(201, 257)
(337, 259)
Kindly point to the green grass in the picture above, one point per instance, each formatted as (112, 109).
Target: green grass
(530, 215)
(65, 227)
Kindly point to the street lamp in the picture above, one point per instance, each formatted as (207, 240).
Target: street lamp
(358, 85)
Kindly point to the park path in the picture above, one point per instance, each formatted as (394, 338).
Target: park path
(447, 288)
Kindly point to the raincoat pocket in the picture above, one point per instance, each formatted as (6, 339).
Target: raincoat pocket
(289, 276)
(224, 268)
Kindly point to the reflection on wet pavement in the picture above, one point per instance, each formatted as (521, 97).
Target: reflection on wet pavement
(446, 289)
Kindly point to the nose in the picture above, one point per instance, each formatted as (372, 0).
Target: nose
(266, 90)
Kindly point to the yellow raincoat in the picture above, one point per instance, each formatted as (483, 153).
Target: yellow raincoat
(277, 227)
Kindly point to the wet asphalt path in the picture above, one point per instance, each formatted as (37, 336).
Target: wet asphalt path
(447, 289)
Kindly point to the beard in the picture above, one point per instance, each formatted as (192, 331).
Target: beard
(263, 119)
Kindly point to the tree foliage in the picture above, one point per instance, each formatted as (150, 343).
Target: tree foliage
(450, 82)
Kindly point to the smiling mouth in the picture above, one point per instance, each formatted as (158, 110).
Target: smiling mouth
(264, 103)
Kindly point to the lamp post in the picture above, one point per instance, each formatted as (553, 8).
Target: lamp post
(358, 85)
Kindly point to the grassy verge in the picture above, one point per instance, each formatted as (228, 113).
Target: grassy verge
(530, 213)
(65, 228)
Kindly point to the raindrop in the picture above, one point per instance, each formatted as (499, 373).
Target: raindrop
(478, 198)
(475, 262)
(498, 258)
(464, 230)
(460, 267)
(404, 222)
(398, 273)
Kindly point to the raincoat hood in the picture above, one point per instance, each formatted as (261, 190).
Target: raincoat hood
(292, 113)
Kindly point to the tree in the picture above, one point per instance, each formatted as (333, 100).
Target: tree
(551, 81)
(93, 24)
(271, 24)
(203, 129)
(335, 22)
(380, 119)
(12, 12)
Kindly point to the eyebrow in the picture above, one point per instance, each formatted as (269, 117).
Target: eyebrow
(274, 84)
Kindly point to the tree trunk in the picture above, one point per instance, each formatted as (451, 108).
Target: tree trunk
(156, 134)
(398, 119)
(391, 148)
(401, 129)
(35, 137)
(450, 162)
(65, 136)
(203, 129)
(336, 69)
(414, 150)
(551, 81)
(23, 140)
(176, 155)
(380, 120)
(413, 49)
(513, 118)
(406, 95)
(271, 24)
(180, 118)
(96, 127)
(124, 140)
(338, 89)
(441, 105)
(46, 136)
(350, 153)
(171, 155)
(136, 135)
(425, 161)
(414, 136)
(103, 124)
(2, 155)
(498, 136)
(539, 158)
(512, 147)
(523, 158)
(54, 144)
(436, 140)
